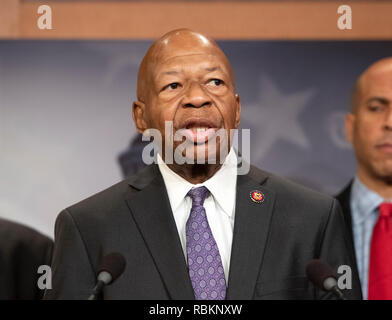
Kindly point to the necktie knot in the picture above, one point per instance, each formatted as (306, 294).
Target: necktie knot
(198, 195)
(386, 210)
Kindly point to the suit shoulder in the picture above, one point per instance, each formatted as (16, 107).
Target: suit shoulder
(16, 234)
(106, 199)
(112, 198)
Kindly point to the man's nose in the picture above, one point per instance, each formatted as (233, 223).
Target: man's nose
(196, 97)
(388, 120)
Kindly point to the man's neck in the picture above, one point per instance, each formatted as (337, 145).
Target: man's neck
(383, 187)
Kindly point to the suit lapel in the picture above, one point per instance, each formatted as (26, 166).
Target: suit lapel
(151, 211)
(344, 200)
(252, 221)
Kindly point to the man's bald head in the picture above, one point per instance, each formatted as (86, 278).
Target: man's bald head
(180, 42)
(370, 77)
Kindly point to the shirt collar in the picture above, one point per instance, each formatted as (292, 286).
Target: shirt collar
(222, 185)
(363, 201)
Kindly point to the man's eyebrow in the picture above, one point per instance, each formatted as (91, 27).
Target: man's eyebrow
(378, 99)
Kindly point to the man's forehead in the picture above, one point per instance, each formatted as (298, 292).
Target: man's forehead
(204, 61)
(380, 79)
(181, 52)
(381, 76)
(379, 71)
(169, 52)
(375, 80)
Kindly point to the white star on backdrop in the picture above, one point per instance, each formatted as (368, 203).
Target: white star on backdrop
(275, 117)
(336, 130)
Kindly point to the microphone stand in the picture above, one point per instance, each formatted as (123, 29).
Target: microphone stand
(97, 290)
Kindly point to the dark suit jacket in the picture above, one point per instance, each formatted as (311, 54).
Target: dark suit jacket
(344, 199)
(22, 251)
(273, 241)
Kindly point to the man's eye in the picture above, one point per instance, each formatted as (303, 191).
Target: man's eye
(172, 86)
(215, 82)
(375, 108)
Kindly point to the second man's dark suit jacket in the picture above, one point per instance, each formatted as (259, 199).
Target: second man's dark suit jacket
(273, 241)
(344, 198)
(22, 251)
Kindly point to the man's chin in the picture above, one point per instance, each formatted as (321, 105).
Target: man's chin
(383, 173)
(203, 154)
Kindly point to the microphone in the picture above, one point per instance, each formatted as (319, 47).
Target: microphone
(112, 266)
(322, 276)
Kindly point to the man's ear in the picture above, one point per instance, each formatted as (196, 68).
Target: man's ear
(138, 115)
(349, 126)
(237, 111)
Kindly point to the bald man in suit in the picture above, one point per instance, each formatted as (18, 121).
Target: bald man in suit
(366, 200)
(198, 230)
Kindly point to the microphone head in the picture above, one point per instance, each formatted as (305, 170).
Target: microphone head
(318, 271)
(113, 263)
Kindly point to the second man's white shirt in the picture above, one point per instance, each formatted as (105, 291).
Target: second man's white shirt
(219, 205)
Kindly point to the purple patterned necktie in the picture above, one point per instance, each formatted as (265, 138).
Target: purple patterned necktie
(204, 260)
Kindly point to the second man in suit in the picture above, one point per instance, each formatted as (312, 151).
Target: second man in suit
(367, 200)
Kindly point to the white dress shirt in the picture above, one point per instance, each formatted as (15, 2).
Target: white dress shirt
(219, 204)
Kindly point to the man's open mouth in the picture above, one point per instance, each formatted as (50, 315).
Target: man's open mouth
(198, 130)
